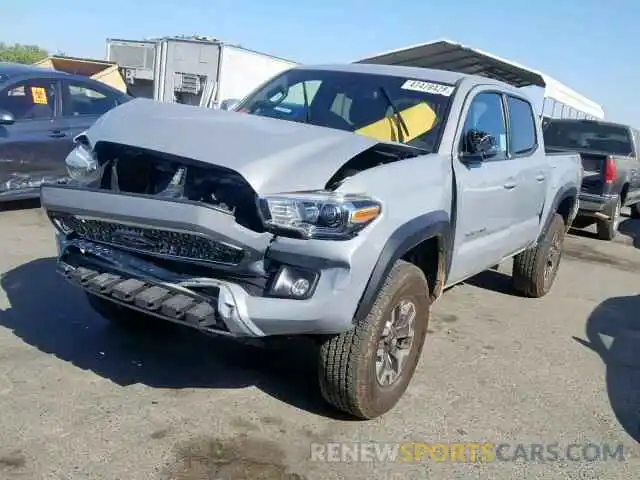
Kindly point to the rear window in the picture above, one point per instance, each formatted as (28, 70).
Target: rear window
(587, 135)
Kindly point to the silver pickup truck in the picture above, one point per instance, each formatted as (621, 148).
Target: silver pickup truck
(336, 202)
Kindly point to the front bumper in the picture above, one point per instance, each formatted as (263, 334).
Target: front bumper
(225, 307)
(222, 303)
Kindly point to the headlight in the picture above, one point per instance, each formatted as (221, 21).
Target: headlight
(322, 215)
(82, 165)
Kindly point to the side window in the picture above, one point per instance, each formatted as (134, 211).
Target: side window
(295, 94)
(30, 100)
(522, 127)
(485, 117)
(79, 99)
(341, 105)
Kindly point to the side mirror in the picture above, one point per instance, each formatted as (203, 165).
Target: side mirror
(6, 118)
(229, 104)
(480, 145)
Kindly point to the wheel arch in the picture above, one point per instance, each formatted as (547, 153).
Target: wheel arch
(425, 241)
(564, 203)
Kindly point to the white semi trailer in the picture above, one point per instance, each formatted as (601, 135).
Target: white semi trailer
(196, 71)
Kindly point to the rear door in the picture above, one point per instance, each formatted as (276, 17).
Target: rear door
(531, 166)
(32, 149)
(83, 103)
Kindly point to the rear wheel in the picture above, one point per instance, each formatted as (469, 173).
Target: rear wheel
(607, 229)
(534, 270)
(366, 370)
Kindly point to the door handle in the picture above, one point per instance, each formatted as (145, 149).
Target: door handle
(57, 134)
(510, 185)
(541, 178)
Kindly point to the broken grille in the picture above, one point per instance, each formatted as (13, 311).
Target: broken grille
(152, 241)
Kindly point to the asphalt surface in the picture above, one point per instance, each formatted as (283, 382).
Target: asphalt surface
(81, 399)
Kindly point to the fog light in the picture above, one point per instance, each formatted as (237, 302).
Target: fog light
(300, 287)
(291, 282)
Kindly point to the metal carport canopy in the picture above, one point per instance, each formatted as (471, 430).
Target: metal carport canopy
(448, 55)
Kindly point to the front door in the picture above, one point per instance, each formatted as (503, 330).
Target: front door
(487, 191)
(32, 148)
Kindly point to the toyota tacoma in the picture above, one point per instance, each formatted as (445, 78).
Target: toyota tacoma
(336, 202)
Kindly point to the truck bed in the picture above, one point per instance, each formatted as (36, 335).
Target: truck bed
(593, 168)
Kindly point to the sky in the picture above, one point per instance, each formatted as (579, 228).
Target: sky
(589, 45)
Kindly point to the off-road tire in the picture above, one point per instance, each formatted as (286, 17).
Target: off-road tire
(635, 210)
(529, 266)
(121, 316)
(347, 364)
(607, 229)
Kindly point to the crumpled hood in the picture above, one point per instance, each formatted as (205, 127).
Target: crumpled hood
(272, 155)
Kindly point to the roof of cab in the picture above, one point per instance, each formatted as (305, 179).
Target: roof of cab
(419, 73)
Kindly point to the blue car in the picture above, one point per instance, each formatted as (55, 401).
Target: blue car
(41, 111)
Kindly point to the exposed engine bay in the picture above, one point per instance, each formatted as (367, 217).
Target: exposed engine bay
(139, 171)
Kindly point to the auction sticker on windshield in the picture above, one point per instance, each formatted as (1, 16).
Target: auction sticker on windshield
(39, 96)
(428, 87)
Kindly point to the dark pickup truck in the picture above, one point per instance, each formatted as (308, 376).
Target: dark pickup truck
(609, 153)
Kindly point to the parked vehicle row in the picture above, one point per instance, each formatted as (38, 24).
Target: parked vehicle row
(336, 202)
(609, 153)
(41, 111)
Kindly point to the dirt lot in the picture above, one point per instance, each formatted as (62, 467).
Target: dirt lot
(80, 399)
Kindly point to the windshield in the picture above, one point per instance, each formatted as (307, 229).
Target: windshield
(383, 107)
(589, 135)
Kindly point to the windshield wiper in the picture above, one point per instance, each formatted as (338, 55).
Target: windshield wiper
(306, 102)
(400, 124)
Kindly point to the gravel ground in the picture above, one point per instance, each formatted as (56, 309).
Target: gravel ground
(80, 399)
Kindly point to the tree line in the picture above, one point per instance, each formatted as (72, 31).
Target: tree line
(23, 53)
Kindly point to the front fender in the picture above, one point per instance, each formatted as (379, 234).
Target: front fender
(402, 240)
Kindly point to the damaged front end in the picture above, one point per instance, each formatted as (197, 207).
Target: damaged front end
(138, 171)
(143, 285)
(194, 242)
(166, 236)
(170, 237)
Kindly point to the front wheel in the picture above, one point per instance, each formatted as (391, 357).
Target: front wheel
(535, 270)
(366, 370)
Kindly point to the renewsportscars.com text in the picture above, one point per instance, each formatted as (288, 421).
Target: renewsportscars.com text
(466, 452)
